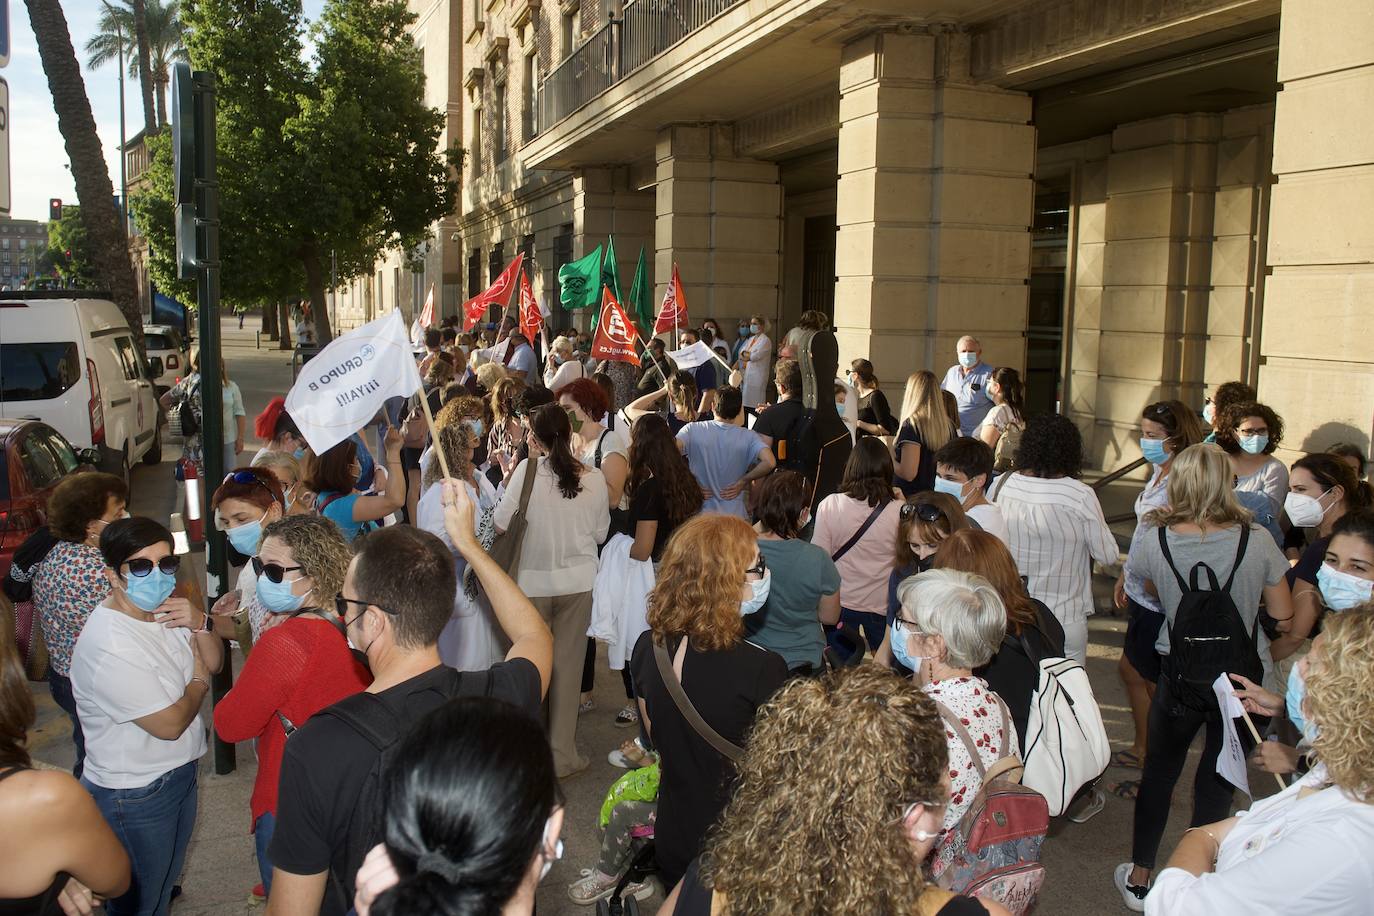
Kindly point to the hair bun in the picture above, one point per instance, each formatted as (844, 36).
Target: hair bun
(430, 892)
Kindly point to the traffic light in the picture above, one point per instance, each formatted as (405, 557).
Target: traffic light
(55, 209)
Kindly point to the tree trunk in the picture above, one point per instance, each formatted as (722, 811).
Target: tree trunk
(284, 325)
(109, 247)
(314, 283)
(161, 90)
(145, 73)
(269, 321)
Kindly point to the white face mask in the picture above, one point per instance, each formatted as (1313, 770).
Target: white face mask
(1303, 510)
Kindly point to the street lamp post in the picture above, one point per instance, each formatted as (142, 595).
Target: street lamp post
(123, 166)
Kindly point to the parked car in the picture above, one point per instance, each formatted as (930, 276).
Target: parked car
(67, 357)
(34, 458)
(166, 343)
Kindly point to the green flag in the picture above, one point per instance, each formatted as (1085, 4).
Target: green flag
(579, 285)
(610, 276)
(642, 296)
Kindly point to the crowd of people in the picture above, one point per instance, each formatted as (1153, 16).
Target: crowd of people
(824, 687)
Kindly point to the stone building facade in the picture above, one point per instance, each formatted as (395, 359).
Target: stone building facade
(1126, 200)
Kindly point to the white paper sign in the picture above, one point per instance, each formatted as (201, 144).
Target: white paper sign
(1231, 760)
(690, 357)
(344, 385)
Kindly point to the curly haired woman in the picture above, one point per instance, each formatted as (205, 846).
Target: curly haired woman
(1306, 849)
(862, 741)
(711, 576)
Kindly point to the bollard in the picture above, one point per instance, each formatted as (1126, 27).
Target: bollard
(195, 525)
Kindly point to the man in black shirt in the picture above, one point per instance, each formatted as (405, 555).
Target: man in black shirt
(774, 423)
(396, 598)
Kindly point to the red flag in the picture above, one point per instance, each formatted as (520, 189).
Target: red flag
(531, 319)
(673, 313)
(427, 313)
(615, 334)
(496, 294)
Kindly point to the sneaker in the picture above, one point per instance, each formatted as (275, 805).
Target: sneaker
(585, 706)
(259, 892)
(594, 886)
(627, 716)
(1087, 808)
(1131, 895)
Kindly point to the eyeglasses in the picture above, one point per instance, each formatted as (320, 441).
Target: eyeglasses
(141, 566)
(274, 572)
(341, 607)
(758, 568)
(926, 512)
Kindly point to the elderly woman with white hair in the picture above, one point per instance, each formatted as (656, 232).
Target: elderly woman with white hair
(562, 366)
(949, 623)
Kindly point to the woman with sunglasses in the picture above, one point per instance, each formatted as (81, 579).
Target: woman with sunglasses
(246, 502)
(139, 682)
(711, 578)
(875, 749)
(926, 520)
(301, 663)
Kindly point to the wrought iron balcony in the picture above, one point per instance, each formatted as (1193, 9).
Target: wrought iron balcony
(645, 30)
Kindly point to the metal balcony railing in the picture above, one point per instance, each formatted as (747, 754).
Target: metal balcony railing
(645, 30)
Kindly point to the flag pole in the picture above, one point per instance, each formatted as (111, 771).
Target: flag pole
(1255, 734)
(434, 433)
(663, 373)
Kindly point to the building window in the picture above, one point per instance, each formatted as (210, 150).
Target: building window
(496, 262)
(499, 123)
(475, 154)
(531, 103)
(4, 244)
(478, 11)
(23, 244)
(569, 32)
(474, 272)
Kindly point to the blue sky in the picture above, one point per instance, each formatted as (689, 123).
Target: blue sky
(38, 157)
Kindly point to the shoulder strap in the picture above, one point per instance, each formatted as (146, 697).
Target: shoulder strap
(1169, 557)
(948, 715)
(369, 716)
(858, 535)
(600, 440)
(531, 471)
(998, 485)
(329, 500)
(1005, 762)
(11, 771)
(1240, 555)
(689, 712)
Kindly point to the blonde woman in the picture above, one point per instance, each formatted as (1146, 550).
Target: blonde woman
(681, 392)
(924, 430)
(861, 741)
(755, 362)
(562, 366)
(1201, 524)
(1306, 849)
(287, 470)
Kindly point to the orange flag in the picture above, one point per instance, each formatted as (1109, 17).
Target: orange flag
(673, 313)
(615, 333)
(497, 294)
(531, 319)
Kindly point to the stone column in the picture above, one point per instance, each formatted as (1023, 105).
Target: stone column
(935, 203)
(605, 205)
(1089, 245)
(1156, 273)
(1315, 358)
(719, 218)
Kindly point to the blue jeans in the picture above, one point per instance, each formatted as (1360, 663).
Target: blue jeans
(154, 824)
(873, 626)
(262, 838)
(60, 687)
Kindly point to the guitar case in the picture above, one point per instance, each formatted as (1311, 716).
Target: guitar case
(818, 354)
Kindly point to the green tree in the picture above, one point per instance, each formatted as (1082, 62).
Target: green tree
(69, 251)
(166, 44)
(108, 245)
(336, 154)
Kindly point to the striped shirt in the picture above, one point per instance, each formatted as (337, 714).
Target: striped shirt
(1057, 529)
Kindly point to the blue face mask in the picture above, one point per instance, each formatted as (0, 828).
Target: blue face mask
(476, 426)
(898, 641)
(298, 454)
(968, 360)
(1209, 413)
(1340, 590)
(744, 330)
(277, 596)
(1297, 689)
(148, 592)
(951, 488)
(754, 329)
(760, 595)
(1154, 451)
(1253, 444)
(245, 537)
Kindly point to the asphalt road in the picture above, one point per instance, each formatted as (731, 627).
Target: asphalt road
(220, 868)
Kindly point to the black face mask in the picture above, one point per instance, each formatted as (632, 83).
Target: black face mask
(926, 564)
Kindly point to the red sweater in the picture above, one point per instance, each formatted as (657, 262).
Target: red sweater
(299, 667)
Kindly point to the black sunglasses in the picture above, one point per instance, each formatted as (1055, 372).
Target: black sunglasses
(274, 572)
(341, 607)
(141, 566)
(758, 568)
(926, 512)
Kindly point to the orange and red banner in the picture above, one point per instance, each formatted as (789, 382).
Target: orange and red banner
(615, 333)
(673, 313)
(531, 318)
(497, 294)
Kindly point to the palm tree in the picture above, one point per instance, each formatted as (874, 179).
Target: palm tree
(165, 44)
(109, 248)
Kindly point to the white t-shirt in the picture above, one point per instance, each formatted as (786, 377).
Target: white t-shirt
(124, 669)
(990, 519)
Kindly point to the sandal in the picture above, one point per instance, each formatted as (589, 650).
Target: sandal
(1126, 788)
(1128, 759)
(631, 756)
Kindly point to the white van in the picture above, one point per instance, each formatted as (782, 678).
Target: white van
(67, 357)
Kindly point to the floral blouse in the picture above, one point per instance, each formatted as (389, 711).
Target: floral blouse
(68, 585)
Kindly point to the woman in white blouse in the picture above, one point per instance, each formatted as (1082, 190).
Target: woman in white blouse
(755, 362)
(566, 519)
(562, 366)
(1056, 525)
(1308, 848)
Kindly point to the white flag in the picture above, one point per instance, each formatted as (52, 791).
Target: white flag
(692, 356)
(1231, 760)
(345, 384)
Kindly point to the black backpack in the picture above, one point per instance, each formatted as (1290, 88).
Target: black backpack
(1208, 636)
(803, 450)
(383, 727)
